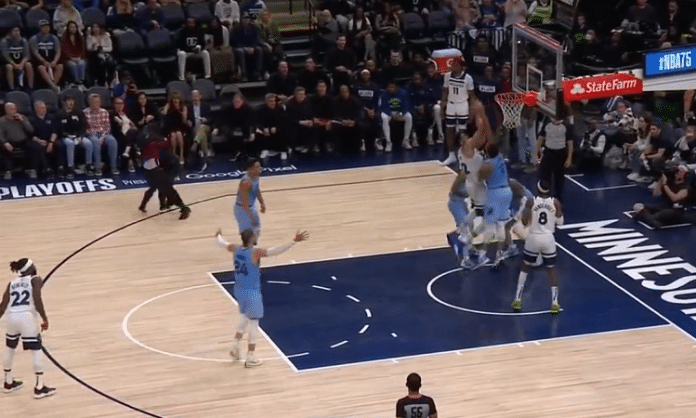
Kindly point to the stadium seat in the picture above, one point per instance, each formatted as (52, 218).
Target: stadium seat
(162, 52)
(8, 20)
(32, 19)
(180, 86)
(414, 29)
(439, 25)
(173, 16)
(47, 96)
(76, 94)
(205, 87)
(103, 92)
(131, 49)
(21, 100)
(200, 12)
(93, 15)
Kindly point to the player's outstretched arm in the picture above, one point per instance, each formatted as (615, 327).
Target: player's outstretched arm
(5, 300)
(36, 286)
(223, 242)
(280, 249)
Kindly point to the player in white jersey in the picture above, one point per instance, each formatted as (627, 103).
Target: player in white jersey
(470, 162)
(457, 92)
(542, 215)
(23, 297)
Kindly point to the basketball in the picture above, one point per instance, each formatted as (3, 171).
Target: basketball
(530, 98)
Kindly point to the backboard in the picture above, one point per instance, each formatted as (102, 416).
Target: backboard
(537, 62)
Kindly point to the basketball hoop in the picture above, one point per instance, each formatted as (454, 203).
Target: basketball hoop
(511, 104)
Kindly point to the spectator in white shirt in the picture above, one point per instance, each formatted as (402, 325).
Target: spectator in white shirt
(65, 13)
(228, 12)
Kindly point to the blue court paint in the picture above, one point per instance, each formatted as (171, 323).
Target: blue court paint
(394, 301)
(601, 180)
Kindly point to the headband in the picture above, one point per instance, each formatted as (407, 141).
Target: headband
(541, 189)
(26, 266)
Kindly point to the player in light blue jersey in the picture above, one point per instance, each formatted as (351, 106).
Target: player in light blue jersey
(249, 191)
(247, 286)
(497, 206)
(458, 207)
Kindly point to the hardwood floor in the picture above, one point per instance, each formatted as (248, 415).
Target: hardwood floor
(640, 373)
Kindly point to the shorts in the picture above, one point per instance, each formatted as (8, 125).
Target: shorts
(25, 325)
(457, 114)
(478, 194)
(544, 244)
(244, 221)
(458, 208)
(250, 302)
(497, 206)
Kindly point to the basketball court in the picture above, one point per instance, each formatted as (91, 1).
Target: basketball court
(144, 315)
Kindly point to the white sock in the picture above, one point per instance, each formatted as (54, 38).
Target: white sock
(38, 367)
(554, 295)
(520, 285)
(250, 355)
(7, 364)
(452, 155)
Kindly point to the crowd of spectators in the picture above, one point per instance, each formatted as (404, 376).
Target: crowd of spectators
(77, 43)
(366, 87)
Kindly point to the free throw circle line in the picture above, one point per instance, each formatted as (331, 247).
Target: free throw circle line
(126, 331)
(429, 288)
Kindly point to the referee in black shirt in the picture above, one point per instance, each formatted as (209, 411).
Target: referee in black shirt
(555, 154)
(415, 405)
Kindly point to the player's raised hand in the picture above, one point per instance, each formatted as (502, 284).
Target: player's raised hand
(301, 236)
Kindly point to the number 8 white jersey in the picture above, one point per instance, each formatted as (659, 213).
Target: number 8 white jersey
(21, 295)
(543, 216)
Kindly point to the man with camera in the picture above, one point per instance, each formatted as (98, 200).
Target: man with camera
(591, 150)
(678, 185)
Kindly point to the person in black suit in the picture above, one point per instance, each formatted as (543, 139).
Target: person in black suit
(200, 117)
(300, 120)
(340, 61)
(282, 83)
(143, 113)
(235, 122)
(347, 114)
(270, 123)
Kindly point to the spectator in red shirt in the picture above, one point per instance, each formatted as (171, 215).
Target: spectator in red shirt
(99, 132)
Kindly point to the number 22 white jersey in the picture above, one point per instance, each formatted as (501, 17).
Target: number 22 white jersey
(459, 87)
(543, 216)
(21, 295)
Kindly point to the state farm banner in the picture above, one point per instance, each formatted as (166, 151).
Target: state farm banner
(602, 86)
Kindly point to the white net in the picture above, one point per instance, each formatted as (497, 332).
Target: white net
(511, 104)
